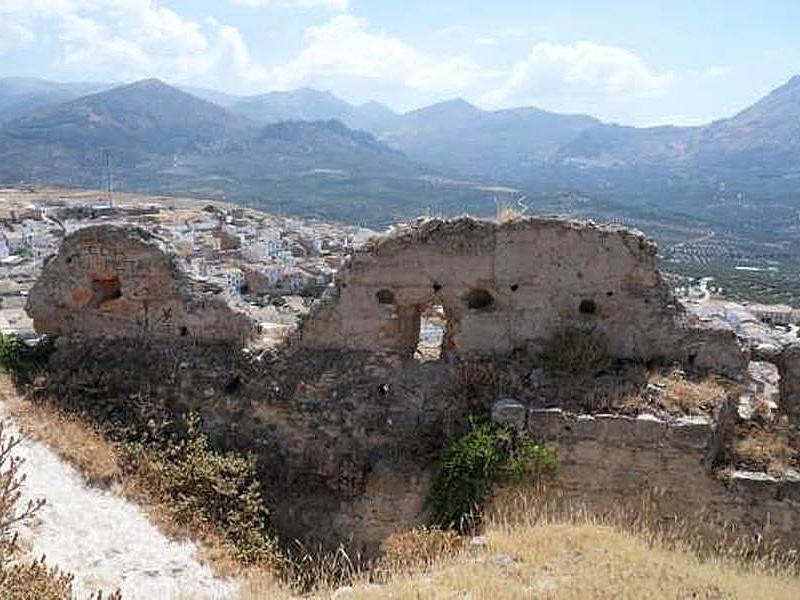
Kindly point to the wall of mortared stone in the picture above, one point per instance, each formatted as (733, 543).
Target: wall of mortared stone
(114, 281)
(542, 275)
(617, 462)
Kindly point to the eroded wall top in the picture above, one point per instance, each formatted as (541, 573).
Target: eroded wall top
(502, 287)
(122, 282)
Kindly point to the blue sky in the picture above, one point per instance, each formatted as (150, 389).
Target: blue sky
(632, 62)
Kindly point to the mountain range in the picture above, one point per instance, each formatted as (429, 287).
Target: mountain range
(311, 151)
(158, 138)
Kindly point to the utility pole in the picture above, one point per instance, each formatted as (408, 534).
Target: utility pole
(109, 199)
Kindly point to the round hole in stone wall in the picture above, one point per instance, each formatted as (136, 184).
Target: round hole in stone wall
(437, 286)
(384, 296)
(587, 307)
(515, 287)
(479, 299)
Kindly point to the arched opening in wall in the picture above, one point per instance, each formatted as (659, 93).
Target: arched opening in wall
(587, 307)
(387, 304)
(432, 331)
(105, 290)
(479, 299)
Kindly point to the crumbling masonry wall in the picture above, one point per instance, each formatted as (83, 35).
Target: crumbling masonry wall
(121, 282)
(511, 286)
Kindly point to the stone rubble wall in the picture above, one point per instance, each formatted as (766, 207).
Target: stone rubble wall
(122, 282)
(788, 363)
(610, 461)
(512, 286)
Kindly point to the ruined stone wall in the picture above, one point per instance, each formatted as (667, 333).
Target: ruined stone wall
(109, 281)
(788, 362)
(505, 287)
(614, 462)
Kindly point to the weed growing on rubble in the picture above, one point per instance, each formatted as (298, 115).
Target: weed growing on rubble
(576, 350)
(474, 463)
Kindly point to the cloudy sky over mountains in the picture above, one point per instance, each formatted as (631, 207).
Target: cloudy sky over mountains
(682, 62)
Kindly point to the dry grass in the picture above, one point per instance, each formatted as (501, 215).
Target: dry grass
(542, 547)
(772, 448)
(579, 561)
(507, 212)
(418, 549)
(679, 394)
(534, 551)
(77, 442)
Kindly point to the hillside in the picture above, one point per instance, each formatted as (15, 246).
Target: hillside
(765, 135)
(459, 135)
(147, 116)
(161, 139)
(23, 95)
(306, 104)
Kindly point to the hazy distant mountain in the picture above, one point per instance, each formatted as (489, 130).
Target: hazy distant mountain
(144, 117)
(306, 104)
(617, 146)
(458, 135)
(305, 147)
(22, 95)
(765, 135)
(321, 136)
(161, 139)
(223, 99)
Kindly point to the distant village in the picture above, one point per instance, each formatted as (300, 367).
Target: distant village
(276, 265)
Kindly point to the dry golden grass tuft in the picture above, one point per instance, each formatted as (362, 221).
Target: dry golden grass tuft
(680, 394)
(508, 213)
(418, 549)
(774, 447)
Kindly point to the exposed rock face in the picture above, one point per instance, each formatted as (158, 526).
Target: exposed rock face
(512, 286)
(109, 281)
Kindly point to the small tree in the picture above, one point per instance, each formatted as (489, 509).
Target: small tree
(11, 482)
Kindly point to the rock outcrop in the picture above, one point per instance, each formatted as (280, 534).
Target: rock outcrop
(121, 282)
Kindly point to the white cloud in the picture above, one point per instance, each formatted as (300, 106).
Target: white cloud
(344, 53)
(583, 72)
(14, 34)
(339, 5)
(131, 39)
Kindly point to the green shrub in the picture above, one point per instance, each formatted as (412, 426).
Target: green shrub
(22, 361)
(204, 488)
(576, 350)
(474, 463)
